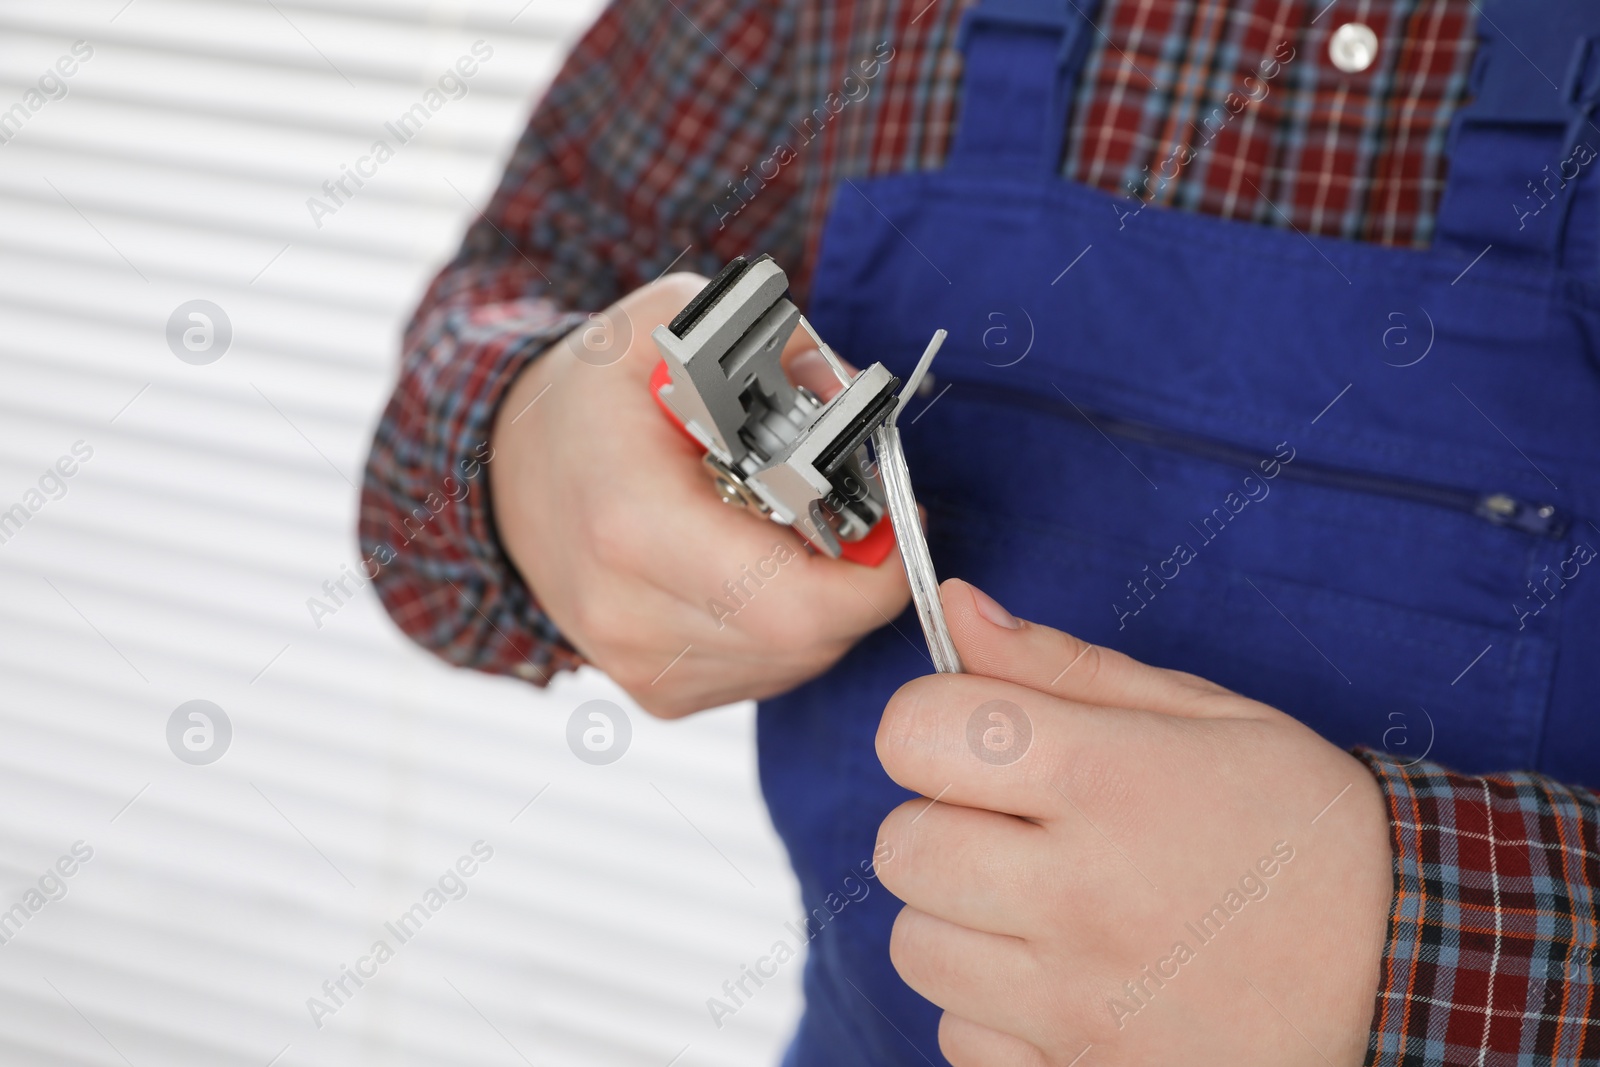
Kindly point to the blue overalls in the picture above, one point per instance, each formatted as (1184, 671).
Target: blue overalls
(1354, 482)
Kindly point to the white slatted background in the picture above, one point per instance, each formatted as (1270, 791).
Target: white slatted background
(218, 499)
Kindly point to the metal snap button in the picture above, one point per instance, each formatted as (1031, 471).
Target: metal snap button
(1353, 47)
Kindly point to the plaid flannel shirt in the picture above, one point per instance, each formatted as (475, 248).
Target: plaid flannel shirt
(629, 166)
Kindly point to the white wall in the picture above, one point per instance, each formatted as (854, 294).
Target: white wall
(217, 500)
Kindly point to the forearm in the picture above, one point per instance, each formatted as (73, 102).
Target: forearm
(589, 209)
(426, 515)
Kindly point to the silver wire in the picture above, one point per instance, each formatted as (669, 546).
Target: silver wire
(827, 353)
(913, 545)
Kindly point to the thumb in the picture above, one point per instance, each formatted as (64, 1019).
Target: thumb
(992, 642)
(808, 367)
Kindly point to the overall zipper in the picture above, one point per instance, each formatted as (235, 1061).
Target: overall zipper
(1500, 509)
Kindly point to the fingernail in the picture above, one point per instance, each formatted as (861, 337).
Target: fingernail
(990, 609)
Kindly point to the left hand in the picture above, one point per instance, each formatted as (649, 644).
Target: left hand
(1125, 864)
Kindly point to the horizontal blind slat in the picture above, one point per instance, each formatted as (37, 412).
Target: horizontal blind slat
(178, 563)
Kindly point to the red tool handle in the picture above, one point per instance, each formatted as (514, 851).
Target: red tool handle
(870, 551)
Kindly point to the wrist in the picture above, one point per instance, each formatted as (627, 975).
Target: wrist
(521, 455)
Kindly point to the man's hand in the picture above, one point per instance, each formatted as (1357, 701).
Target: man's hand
(1126, 860)
(610, 516)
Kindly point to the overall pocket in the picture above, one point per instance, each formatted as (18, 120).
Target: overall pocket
(1376, 610)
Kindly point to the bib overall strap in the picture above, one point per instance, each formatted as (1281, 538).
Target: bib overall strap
(1524, 151)
(1021, 62)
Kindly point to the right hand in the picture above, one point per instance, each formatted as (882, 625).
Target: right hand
(610, 516)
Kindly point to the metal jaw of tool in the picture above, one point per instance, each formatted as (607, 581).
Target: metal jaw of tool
(778, 450)
(773, 447)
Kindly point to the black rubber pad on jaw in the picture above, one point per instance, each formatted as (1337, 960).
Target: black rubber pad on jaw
(707, 298)
(861, 427)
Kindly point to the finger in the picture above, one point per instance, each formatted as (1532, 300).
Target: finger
(964, 865)
(969, 1044)
(616, 339)
(806, 366)
(811, 369)
(655, 513)
(666, 525)
(674, 532)
(855, 599)
(754, 597)
(703, 675)
(694, 545)
(983, 743)
(660, 516)
(858, 599)
(987, 978)
(994, 643)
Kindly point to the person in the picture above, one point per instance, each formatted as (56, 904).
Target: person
(1270, 396)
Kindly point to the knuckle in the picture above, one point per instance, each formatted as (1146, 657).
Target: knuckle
(1098, 786)
(954, 1044)
(584, 621)
(629, 669)
(771, 629)
(656, 705)
(899, 730)
(882, 594)
(634, 676)
(596, 619)
(908, 947)
(1089, 1019)
(786, 621)
(810, 621)
(1092, 664)
(1086, 771)
(610, 533)
(897, 842)
(659, 700)
(1202, 687)
(949, 1045)
(633, 682)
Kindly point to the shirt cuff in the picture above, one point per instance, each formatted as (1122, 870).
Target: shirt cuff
(427, 531)
(1491, 948)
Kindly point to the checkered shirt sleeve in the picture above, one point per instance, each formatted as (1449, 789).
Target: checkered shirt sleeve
(1492, 943)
